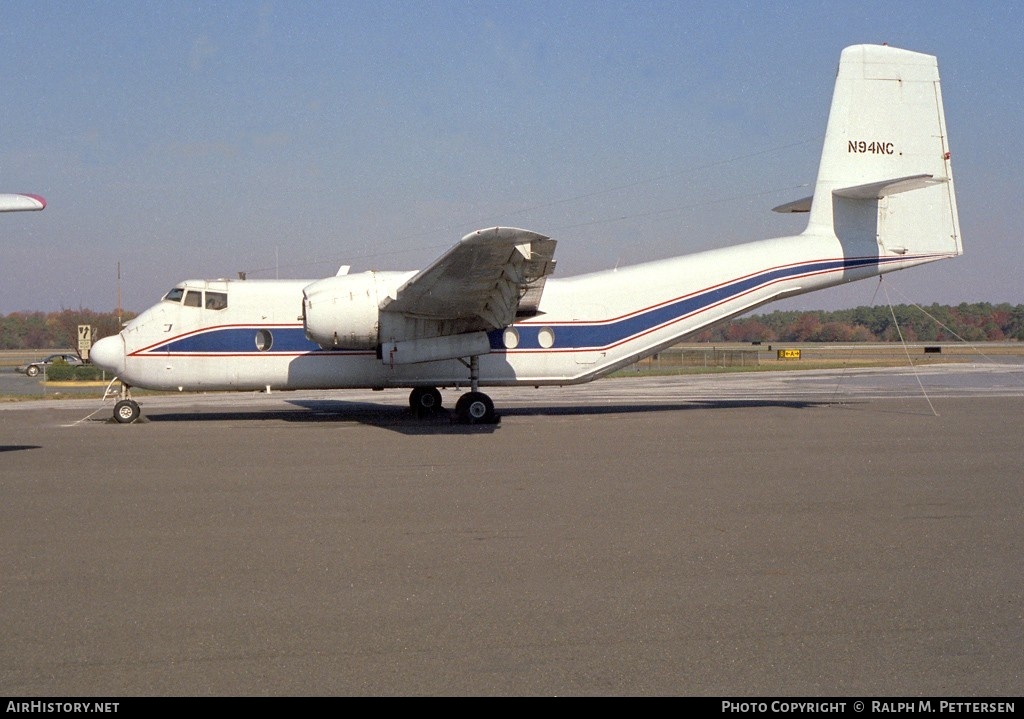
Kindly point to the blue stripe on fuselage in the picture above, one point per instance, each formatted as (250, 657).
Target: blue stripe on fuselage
(598, 335)
(238, 340)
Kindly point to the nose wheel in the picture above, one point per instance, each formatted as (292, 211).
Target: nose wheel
(127, 411)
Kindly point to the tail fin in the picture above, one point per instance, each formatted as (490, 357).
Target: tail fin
(885, 183)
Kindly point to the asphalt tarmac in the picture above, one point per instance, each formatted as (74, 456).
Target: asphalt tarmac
(787, 534)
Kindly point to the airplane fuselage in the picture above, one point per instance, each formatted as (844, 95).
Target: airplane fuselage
(586, 326)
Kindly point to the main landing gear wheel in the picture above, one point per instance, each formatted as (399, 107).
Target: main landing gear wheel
(127, 411)
(425, 401)
(475, 408)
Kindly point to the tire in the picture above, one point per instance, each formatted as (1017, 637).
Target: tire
(32, 370)
(425, 401)
(476, 408)
(126, 411)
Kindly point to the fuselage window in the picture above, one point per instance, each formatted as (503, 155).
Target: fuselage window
(264, 340)
(174, 295)
(216, 300)
(193, 298)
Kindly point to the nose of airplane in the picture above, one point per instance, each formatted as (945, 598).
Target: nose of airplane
(108, 354)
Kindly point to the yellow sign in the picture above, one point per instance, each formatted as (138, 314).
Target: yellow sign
(788, 354)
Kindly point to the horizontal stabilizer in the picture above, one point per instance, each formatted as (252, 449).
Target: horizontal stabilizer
(878, 190)
(869, 191)
(801, 205)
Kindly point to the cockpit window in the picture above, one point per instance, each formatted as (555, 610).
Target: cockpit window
(175, 294)
(216, 300)
(195, 298)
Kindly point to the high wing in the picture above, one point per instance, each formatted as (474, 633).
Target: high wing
(446, 311)
(484, 282)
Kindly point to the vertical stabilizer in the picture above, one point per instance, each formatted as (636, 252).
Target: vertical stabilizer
(885, 183)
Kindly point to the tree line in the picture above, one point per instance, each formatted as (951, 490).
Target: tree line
(977, 322)
(971, 322)
(54, 330)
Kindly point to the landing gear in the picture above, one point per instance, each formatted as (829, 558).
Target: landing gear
(475, 407)
(425, 401)
(127, 411)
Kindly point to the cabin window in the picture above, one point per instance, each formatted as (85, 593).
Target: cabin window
(510, 337)
(264, 340)
(175, 294)
(193, 298)
(216, 300)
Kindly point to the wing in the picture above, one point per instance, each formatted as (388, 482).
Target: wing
(21, 202)
(488, 279)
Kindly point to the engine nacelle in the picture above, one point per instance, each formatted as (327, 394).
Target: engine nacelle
(343, 312)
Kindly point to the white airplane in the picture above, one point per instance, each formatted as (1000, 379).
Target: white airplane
(486, 314)
(20, 202)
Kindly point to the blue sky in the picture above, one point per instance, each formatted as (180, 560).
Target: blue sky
(199, 139)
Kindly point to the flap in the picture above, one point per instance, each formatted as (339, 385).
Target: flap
(487, 278)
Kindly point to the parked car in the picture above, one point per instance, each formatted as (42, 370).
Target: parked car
(34, 368)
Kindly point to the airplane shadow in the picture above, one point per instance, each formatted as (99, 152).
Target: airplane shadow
(403, 421)
(18, 447)
(653, 408)
(398, 419)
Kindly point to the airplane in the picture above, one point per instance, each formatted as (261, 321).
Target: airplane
(488, 313)
(20, 202)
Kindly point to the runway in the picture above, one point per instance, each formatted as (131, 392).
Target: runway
(817, 533)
